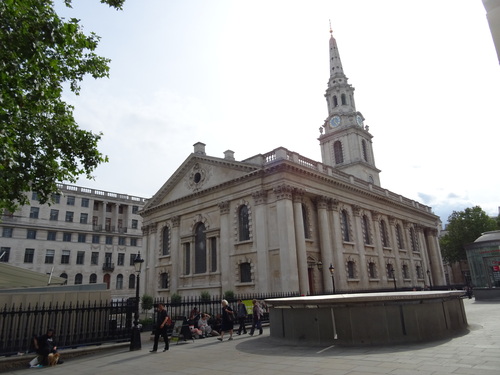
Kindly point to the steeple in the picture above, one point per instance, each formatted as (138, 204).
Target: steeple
(345, 141)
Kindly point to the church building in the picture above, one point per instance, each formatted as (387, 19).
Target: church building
(280, 222)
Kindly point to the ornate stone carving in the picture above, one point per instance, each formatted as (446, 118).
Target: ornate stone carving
(176, 221)
(283, 191)
(224, 207)
(153, 227)
(392, 221)
(356, 210)
(334, 204)
(260, 197)
(375, 215)
(298, 195)
(321, 202)
(198, 176)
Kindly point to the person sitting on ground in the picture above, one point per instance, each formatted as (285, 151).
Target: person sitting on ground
(46, 348)
(204, 327)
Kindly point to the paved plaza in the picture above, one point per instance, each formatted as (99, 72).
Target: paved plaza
(476, 352)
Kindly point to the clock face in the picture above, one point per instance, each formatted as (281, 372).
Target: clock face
(335, 121)
(359, 119)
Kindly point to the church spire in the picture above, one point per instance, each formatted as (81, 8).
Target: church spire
(336, 69)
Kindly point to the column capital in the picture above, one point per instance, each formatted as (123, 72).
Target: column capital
(283, 191)
(224, 207)
(298, 195)
(375, 215)
(176, 221)
(322, 202)
(356, 210)
(259, 197)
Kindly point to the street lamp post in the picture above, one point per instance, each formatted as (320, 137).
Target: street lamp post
(332, 270)
(135, 340)
(430, 281)
(394, 279)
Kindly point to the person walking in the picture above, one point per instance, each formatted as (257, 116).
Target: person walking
(227, 320)
(257, 318)
(162, 323)
(241, 314)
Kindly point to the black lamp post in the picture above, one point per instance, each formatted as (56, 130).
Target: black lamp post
(332, 270)
(430, 281)
(394, 279)
(135, 341)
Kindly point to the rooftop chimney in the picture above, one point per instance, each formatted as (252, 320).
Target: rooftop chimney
(199, 148)
(229, 155)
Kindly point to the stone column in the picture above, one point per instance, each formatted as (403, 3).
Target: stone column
(338, 248)
(260, 237)
(147, 286)
(175, 256)
(152, 256)
(103, 215)
(300, 240)
(286, 239)
(114, 220)
(360, 246)
(225, 258)
(324, 241)
(398, 271)
(382, 268)
(437, 269)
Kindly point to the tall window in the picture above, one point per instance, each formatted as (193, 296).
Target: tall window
(84, 218)
(406, 273)
(420, 273)
(383, 234)
(94, 258)
(135, 209)
(335, 101)
(165, 248)
(80, 257)
(34, 211)
(244, 225)
(399, 237)
(29, 254)
(49, 256)
(131, 281)
(366, 230)
(119, 281)
(121, 259)
(363, 148)
(200, 249)
(93, 278)
(344, 222)
(135, 224)
(343, 99)
(390, 271)
(372, 270)
(351, 269)
(413, 240)
(78, 279)
(65, 257)
(305, 220)
(4, 254)
(245, 272)
(164, 280)
(187, 258)
(338, 153)
(213, 254)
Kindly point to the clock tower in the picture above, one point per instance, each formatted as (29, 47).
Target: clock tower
(345, 141)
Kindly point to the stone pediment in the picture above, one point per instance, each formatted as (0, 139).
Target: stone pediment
(198, 173)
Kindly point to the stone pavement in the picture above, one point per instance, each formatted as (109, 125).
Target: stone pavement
(476, 352)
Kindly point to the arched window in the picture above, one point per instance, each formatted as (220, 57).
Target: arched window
(245, 272)
(419, 272)
(399, 237)
(305, 219)
(78, 279)
(107, 279)
(390, 271)
(165, 248)
(363, 148)
(343, 99)
(366, 230)
(119, 281)
(338, 153)
(200, 249)
(351, 269)
(335, 101)
(406, 273)
(383, 234)
(164, 280)
(413, 239)
(344, 222)
(131, 281)
(372, 270)
(93, 279)
(244, 225)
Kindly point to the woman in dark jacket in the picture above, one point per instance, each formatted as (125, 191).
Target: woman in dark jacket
(227, 320)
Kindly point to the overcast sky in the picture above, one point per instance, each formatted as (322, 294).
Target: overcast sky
(250, 76)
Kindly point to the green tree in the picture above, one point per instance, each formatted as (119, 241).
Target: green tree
(464, 227)
(146, 302)
(40, 141)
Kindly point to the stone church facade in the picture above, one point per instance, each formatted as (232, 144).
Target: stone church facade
(278, 222)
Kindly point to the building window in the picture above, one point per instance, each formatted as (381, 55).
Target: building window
(243, 223)
(335, 101)
(51, 236)
(413, 240)
(419, 272)
(109, 240)
(70, 200)
(34, 196)
(69, 216)
(49, 256)
(108, 260)
(56, 198)
(95, 238)
(213, 254)
(121, 259)
(108, 208)
(4, 254)
(54, 214)
(135, 209)
(94, 258)
(121, 241)
(65, 257)
(406, 273)
(351, 268)
(200, 249)
(78, 279)
(135, 224)
(165, 245)
(120, 209)
(344, 223)
(96, 206)
(133, 242)
(390, 271)
(363, 148)
(66, 236)
(164, 280)
(82, 237)
(31, 234)
(132, 258)
(187, 258)
(245, 272)
(7, 232)
(29, 254)
(372, 270)
(34, 211)
(384, 236)
(131, 281)
(338, 153)
(366, 230)
(107, 224)
(85, 202)
(93, 278)
(343, 99)
(399, 237)
(119, 281)
(84, 218)
(80, 257)
(305, 220)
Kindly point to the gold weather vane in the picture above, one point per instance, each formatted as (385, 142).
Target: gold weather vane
(331, 31)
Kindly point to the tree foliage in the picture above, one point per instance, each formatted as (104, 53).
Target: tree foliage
(464, 227)
(40, 141)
